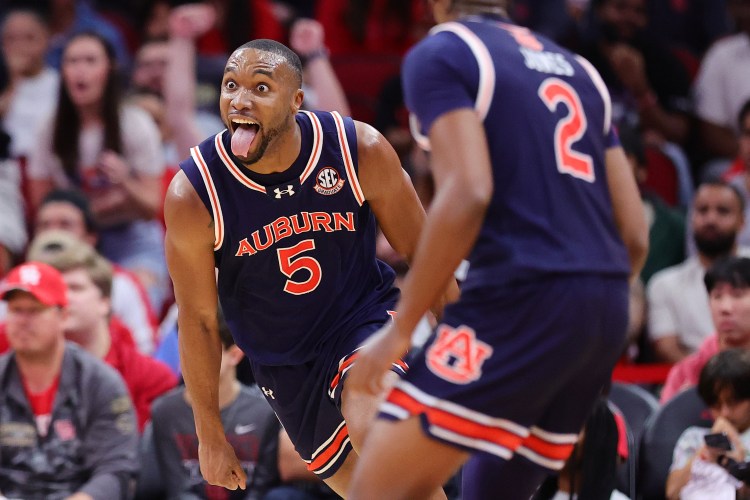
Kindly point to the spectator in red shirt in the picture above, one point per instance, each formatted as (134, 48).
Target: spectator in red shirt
(68, 423)
(69, 211)
(89, 279)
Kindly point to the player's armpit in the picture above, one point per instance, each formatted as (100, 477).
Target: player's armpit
(628, 210)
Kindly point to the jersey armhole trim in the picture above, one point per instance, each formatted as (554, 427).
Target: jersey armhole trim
(602, 88)
(317, 147)
(212, 196)
(487, 77)
(347, 156)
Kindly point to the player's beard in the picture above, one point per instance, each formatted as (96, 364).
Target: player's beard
(715, 246)
(266, 138)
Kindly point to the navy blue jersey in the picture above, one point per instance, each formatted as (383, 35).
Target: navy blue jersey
(295, 250)
(546, 114)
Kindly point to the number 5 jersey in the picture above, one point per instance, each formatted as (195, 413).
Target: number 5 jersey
(295, 250)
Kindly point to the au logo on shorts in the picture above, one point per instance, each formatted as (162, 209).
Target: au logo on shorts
(328, 181)
(457, 355)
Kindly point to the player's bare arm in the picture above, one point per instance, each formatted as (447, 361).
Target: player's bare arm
(390, 192)
(628, 208)
(463, 178)
(464, 185)
(189, 246)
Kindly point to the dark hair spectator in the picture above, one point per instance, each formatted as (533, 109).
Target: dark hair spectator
(699, 468)
(728, 284)
(112, 152)
(591, 471)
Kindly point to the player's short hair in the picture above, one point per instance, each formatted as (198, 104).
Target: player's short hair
(734, 271)
(728, 369)
(279, 49)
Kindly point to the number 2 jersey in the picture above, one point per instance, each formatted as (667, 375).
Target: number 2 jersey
(546, 114)
(295, 250)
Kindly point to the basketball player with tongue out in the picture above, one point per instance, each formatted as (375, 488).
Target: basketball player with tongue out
(283, 204)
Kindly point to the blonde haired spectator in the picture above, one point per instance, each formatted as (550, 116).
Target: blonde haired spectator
(68, 211)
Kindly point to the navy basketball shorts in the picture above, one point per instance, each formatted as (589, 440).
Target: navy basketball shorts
(307, 399)
(516, 371)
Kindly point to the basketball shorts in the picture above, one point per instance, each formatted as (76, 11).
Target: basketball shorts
(516, 371)
(307, 398)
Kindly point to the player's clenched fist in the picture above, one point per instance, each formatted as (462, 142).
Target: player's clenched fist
(220, 467)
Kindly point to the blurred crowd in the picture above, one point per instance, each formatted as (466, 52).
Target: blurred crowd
(100, 101)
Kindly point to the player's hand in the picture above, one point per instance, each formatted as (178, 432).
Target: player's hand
(368, 375)
(220, 466)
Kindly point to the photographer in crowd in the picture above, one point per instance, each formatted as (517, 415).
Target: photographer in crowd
(706, 461)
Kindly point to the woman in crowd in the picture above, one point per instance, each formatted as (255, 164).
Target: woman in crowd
(110, 151)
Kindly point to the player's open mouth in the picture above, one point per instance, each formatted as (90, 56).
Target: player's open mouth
(243, 135)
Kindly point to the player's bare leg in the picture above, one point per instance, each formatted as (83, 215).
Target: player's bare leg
(359, 411)
(402, 449)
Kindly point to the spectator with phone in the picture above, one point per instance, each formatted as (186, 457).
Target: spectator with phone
(699, 465)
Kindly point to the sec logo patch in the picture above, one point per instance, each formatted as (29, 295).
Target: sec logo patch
(328, 181)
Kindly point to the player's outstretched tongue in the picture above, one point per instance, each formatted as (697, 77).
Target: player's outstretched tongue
(242, 138)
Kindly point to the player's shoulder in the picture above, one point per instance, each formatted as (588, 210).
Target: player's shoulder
(440, 43)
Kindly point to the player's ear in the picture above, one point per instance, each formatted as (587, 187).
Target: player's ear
(299, 96)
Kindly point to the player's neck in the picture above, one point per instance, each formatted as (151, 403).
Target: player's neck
(281, 154)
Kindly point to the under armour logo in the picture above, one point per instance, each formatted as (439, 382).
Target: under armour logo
(267, 392)
(289, 190)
